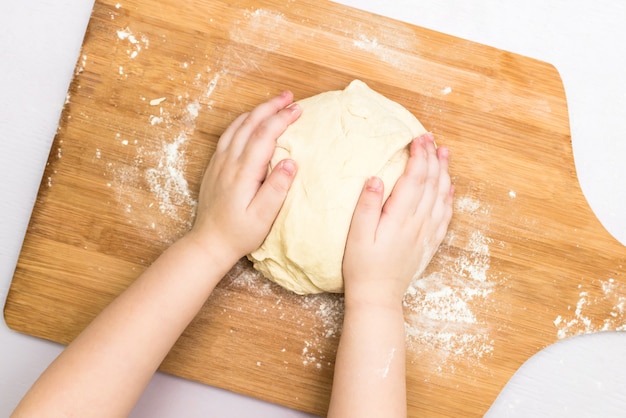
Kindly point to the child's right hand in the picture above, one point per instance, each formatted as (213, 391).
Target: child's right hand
(238, 199)
(388, 244)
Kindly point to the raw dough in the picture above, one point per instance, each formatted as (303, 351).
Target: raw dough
(342, 138)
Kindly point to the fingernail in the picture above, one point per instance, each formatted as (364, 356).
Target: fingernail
(285, 93)
(294, 108)
(374, 184)
(416, 144)
(428, 136)
(288, 166)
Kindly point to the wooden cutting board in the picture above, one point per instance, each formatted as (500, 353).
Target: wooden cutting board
(525, 262)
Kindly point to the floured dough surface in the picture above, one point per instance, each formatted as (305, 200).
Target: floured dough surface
(342, 138)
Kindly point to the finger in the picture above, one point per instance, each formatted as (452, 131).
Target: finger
(443, 155)
(260, 147)
(433, 160)
(256, 117)
(417, 153)
(367, 212)
(443, 195)
(447, 217)
(408, 190)
(437, 182)
(448, 208)
(228, 134)
(271, 195)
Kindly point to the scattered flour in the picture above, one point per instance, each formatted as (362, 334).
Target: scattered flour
(265, 28)
(134, 45)
(466, 204)
(261, 27)
(212, 84)
(362, 42)
(167, 180)
(159, 162)
(156, 102)
(192, 109)
(325, 309)
(441, 325)
(155, 120)
(261, 16)
(160, 170)
(580, 321)
(328, 308)
(439, 319)
(384, 53)
(80, 67)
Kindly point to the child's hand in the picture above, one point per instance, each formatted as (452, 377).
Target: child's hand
(388, 244)
(237, 203)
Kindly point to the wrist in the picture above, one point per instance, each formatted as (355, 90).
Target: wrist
(378, 317)
(372, 297)
(211, 248)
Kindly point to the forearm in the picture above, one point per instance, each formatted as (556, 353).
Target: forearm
(369, 378)
(104, 371)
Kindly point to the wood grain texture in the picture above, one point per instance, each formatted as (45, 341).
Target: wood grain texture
(525, 262)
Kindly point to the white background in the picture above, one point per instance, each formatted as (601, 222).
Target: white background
(586, 40)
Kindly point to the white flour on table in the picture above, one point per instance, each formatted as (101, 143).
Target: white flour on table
(439, 319)
(157, 152)
(578, 321)
(327, 310)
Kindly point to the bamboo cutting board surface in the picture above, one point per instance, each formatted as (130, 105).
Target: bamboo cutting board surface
(525, 262)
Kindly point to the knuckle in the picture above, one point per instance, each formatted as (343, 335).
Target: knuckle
(261, 131)
(278, 184)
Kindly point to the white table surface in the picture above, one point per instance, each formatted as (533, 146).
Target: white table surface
(584, 376)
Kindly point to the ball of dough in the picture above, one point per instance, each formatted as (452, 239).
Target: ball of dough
(342, 138)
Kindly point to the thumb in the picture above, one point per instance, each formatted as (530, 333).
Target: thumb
(367, 212)
(271, 195)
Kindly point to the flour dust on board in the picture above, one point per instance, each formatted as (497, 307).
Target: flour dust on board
(157, 158)
(578, 321)
(439, 321)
